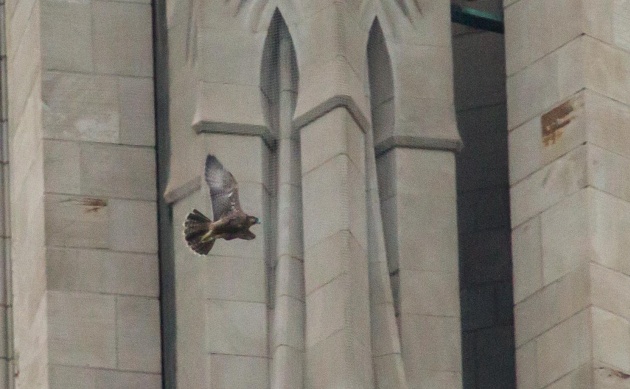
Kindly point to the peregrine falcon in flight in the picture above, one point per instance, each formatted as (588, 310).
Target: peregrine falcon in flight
(230, 221)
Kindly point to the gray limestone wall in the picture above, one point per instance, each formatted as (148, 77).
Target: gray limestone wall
(483, 207)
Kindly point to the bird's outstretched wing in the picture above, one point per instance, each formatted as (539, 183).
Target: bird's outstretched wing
(223, 188)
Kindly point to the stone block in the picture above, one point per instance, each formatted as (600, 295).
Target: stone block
(81, 329)
(564, 348)
(608, 173)
(429, 293)
(326, 310)
(288, 313)
(333, 134)
(606, 123)
(605, 377)
(236, 327)
(80, 107)
(237, 372)
(290, 277)
(389, 371)
(611, 340)
(338, 362)
(535, 28)
(225, 56)
(527, 259)
(529, 148)
(436, 379)
(609, 224)
(102, 271)
(137, 116)
(70, 377)
(67, 36)
(114, 51)
(526, 366)
(565, 234)
(549, 185)
(606, 68)
(389, 215)
(610, 290)
(326, 199)
(235, 279)
(552, 305)
(243, 156)
(546, 82)
(62, 167)
(138, 334)
(77, 221)
(292, 377)
(133, 225)
(385, 339)
(118, 171)
(430, 343)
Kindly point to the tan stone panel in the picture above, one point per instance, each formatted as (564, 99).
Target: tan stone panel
(235, 279)
(333, 134)
(608, 172)
(383, 322)
(294, 376)
(81, 329)
(565, 232)
(564, 348)
(237, 372)
(236, 327)
(606, 377)
(122, 38)
(243, 156)
(138, 334)
(389, 371)
(551, 305)
(546, 82)
(326, 310)
(62, 167)
(526, 366)
(530, 149)
(290, 277)
(436, 379)
(609, 226)
(527, 259)
(607, 120)
(118, 171)
(133, 225)
(67, 36)
(430, 343)
(329, 258)
(137, 116)
(607, 69)
(80, 107)
(580, 378)
(535, 28)
(288, 329)
(77, 221)
(429, 293)
(549, 185)
(611, 340)
(325, 200)
(102, 271)
(610, 290)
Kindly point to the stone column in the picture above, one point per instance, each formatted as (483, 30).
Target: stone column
(568, 94)
(84, 247)
(330, 114)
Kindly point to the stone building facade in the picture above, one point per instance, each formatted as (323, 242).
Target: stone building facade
(442, 206)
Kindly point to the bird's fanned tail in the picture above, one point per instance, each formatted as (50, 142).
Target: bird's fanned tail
(195, 227)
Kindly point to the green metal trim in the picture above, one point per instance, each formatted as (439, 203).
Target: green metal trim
(477, 19)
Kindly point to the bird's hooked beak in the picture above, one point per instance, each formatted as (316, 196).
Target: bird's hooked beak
(257, 221)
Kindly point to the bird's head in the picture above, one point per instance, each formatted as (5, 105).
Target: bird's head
(251, 220)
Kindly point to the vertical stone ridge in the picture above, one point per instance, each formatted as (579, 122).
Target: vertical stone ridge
(287, 344)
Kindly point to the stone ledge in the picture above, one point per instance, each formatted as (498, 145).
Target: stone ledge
(330, 104)
(203, 126)
(417, 142)
(172, 195)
